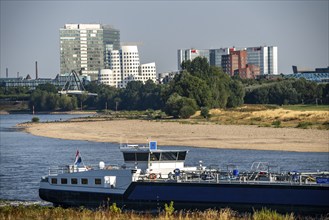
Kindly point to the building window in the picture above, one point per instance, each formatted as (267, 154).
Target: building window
(53, 181)
(84, 181)
(63, 181)
(98, 181)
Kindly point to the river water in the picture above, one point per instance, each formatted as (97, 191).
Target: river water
(25, 158)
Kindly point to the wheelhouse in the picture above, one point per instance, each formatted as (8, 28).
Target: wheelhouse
(153, 160)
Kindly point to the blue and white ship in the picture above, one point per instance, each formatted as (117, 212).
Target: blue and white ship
(151, 177)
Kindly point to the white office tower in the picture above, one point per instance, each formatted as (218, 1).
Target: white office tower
(124, 66)
(82, 47)
(264, 57)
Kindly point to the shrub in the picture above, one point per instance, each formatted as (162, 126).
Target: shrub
(114, 209)
(35, 120)
(276, 123)
(204, 112)
(304, 125)
(186, 111)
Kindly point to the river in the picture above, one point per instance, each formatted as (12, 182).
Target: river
(25, 158)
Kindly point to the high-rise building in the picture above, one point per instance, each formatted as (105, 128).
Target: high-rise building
(124, 66)
(264, 57)
(231, 59)
(83, 47)
(190, 54)
(215, 56)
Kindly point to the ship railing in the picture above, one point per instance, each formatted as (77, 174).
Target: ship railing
(55, 170)
(217, 176)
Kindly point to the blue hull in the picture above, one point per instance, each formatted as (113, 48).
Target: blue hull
(153, 195)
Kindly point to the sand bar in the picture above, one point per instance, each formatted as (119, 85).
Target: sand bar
(197, 135)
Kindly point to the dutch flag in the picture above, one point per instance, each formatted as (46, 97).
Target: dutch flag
(77, 158)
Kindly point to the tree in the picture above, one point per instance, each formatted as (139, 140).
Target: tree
(325, 94)
(178, 106)
(236, 94)
(68, 103)
(257, 96)
(47, 87)
(191, 87)
(130, 95)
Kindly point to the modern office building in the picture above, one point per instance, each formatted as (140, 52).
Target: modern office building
(231, 59)
(190, 54)
(215, 55)
(265, 57)
(124, 66)
(83, 47)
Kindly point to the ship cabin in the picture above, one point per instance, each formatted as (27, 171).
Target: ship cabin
(152, 160)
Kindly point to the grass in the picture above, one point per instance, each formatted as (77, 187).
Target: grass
(41, 212)
(297, 116)
(306, 107)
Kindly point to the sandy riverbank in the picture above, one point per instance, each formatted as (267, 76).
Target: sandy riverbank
(178, 134)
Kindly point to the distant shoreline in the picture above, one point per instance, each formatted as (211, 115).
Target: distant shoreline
(247, 137)
(5, 112)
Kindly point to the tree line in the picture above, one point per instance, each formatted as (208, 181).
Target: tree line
(198, 86)
(291, 91)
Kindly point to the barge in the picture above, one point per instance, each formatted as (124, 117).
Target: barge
(151, 177)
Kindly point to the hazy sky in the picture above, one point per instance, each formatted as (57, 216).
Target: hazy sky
(30, 30)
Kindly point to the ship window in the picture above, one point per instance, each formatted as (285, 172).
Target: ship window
(84, 181)
(129, 156)
(169, 156)
(154, 156)
(74, 181)
(98, 181)
(53, 181)
(63, 181)
(181, 155)
(142, 156)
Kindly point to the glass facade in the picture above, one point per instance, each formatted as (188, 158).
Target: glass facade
(265, 57)
(83, 47)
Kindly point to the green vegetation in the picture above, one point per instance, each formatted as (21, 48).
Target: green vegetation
(306, 107)
(276, 123)
(266, 116)
(304, 125)
(42, 212)
(284, 92)
(15, 93)
(35, 120)
(204, 112)
(198, 85)
(169, 209)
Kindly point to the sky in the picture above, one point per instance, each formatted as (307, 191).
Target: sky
(30, 30)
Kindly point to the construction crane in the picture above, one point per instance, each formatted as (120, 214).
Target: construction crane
(74, 86)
